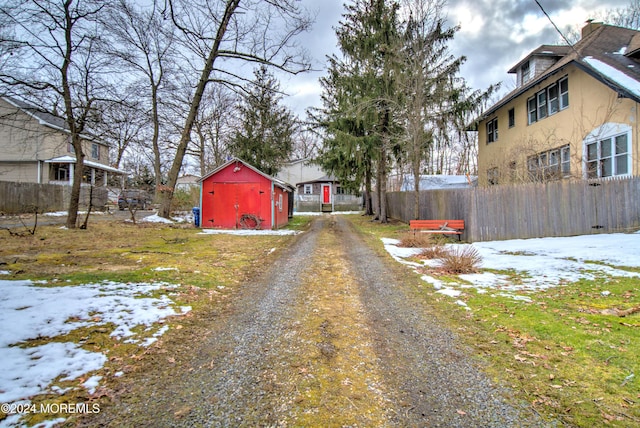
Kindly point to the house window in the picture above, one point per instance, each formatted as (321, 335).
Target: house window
(564, 93)
(308, 189)
(550, 100)
(95, 151)
(513, 170)
(553, 99)
(542, 104)
(512, 118)
(492, 176)
(565, 160)
(549, 165)
(533, 110)
(492, 130)
(341, 191)
(608, 157)
(280, 202)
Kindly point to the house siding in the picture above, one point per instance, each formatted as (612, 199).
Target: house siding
(20, 172)
(591, 104)
(25, 141)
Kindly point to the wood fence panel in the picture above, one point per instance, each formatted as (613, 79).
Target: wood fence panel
(561, 208)
(18, 198)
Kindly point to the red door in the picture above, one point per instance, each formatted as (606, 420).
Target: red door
(326, 194)
(231, 200)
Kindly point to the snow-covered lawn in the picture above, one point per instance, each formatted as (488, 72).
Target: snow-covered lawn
(31, 310)
(538, 263)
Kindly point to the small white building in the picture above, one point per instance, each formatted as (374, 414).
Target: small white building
(438, 182)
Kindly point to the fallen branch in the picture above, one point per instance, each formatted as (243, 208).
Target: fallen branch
(175, 240)
(620, 312)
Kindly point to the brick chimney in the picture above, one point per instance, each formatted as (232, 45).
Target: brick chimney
(590, 27)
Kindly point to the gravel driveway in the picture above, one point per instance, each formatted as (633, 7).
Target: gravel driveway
(277, 355)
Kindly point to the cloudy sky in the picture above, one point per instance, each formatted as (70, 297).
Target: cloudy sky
(494, 35)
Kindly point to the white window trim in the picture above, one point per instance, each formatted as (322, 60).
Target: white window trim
(546, 110)
(554, 163)
(308, 189)
(604, 132)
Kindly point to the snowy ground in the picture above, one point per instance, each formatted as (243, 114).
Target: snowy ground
(538, 263)
(31, 310)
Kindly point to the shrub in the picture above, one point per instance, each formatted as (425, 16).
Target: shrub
(461, 259)
(184, 200)
(434, 251)
(416, 240)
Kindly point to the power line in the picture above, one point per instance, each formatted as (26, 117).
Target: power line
(556, 27)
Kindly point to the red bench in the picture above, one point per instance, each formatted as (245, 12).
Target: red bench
(446, 227)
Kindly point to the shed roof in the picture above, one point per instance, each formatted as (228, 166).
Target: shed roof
(282, 184)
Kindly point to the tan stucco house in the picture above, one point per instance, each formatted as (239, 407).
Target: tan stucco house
(35, 147)
(574, 113)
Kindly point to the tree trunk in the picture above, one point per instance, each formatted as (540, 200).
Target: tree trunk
(166, 195)
(382, 186)
(368, 208)
(416, 191)
(74, 202)
(157, 170)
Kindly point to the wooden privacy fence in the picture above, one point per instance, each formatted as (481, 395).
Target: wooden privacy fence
(560, 208)
(17, 198)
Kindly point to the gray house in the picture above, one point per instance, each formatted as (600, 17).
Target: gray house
(326, 195)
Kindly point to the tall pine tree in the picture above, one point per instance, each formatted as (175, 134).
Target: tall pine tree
(360, 98)
(265, 136)
(436, 102)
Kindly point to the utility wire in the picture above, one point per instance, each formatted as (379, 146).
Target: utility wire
(557, 29)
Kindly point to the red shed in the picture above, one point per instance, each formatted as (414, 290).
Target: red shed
(238, 196)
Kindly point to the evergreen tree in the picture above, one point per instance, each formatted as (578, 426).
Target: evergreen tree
(360, 98)
(265, 136)
(437, 104)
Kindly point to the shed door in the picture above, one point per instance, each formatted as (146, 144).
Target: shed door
(326, 193)
(232, 200)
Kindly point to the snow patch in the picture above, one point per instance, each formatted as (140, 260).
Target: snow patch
(539, 263)
(33, 311)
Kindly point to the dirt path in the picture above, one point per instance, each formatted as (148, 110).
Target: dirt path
(328, 337)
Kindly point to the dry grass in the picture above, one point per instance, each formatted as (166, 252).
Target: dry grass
(460, 260)
(329, 374)
(435, 251)
(208, 271)
(555, 348)
(416, 240)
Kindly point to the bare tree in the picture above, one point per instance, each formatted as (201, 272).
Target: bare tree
(121, 125)
(628, 16)
(306, 143)
(143, 42)
(438, 103)
(50, 51)
(217, 38)
(214, 128)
